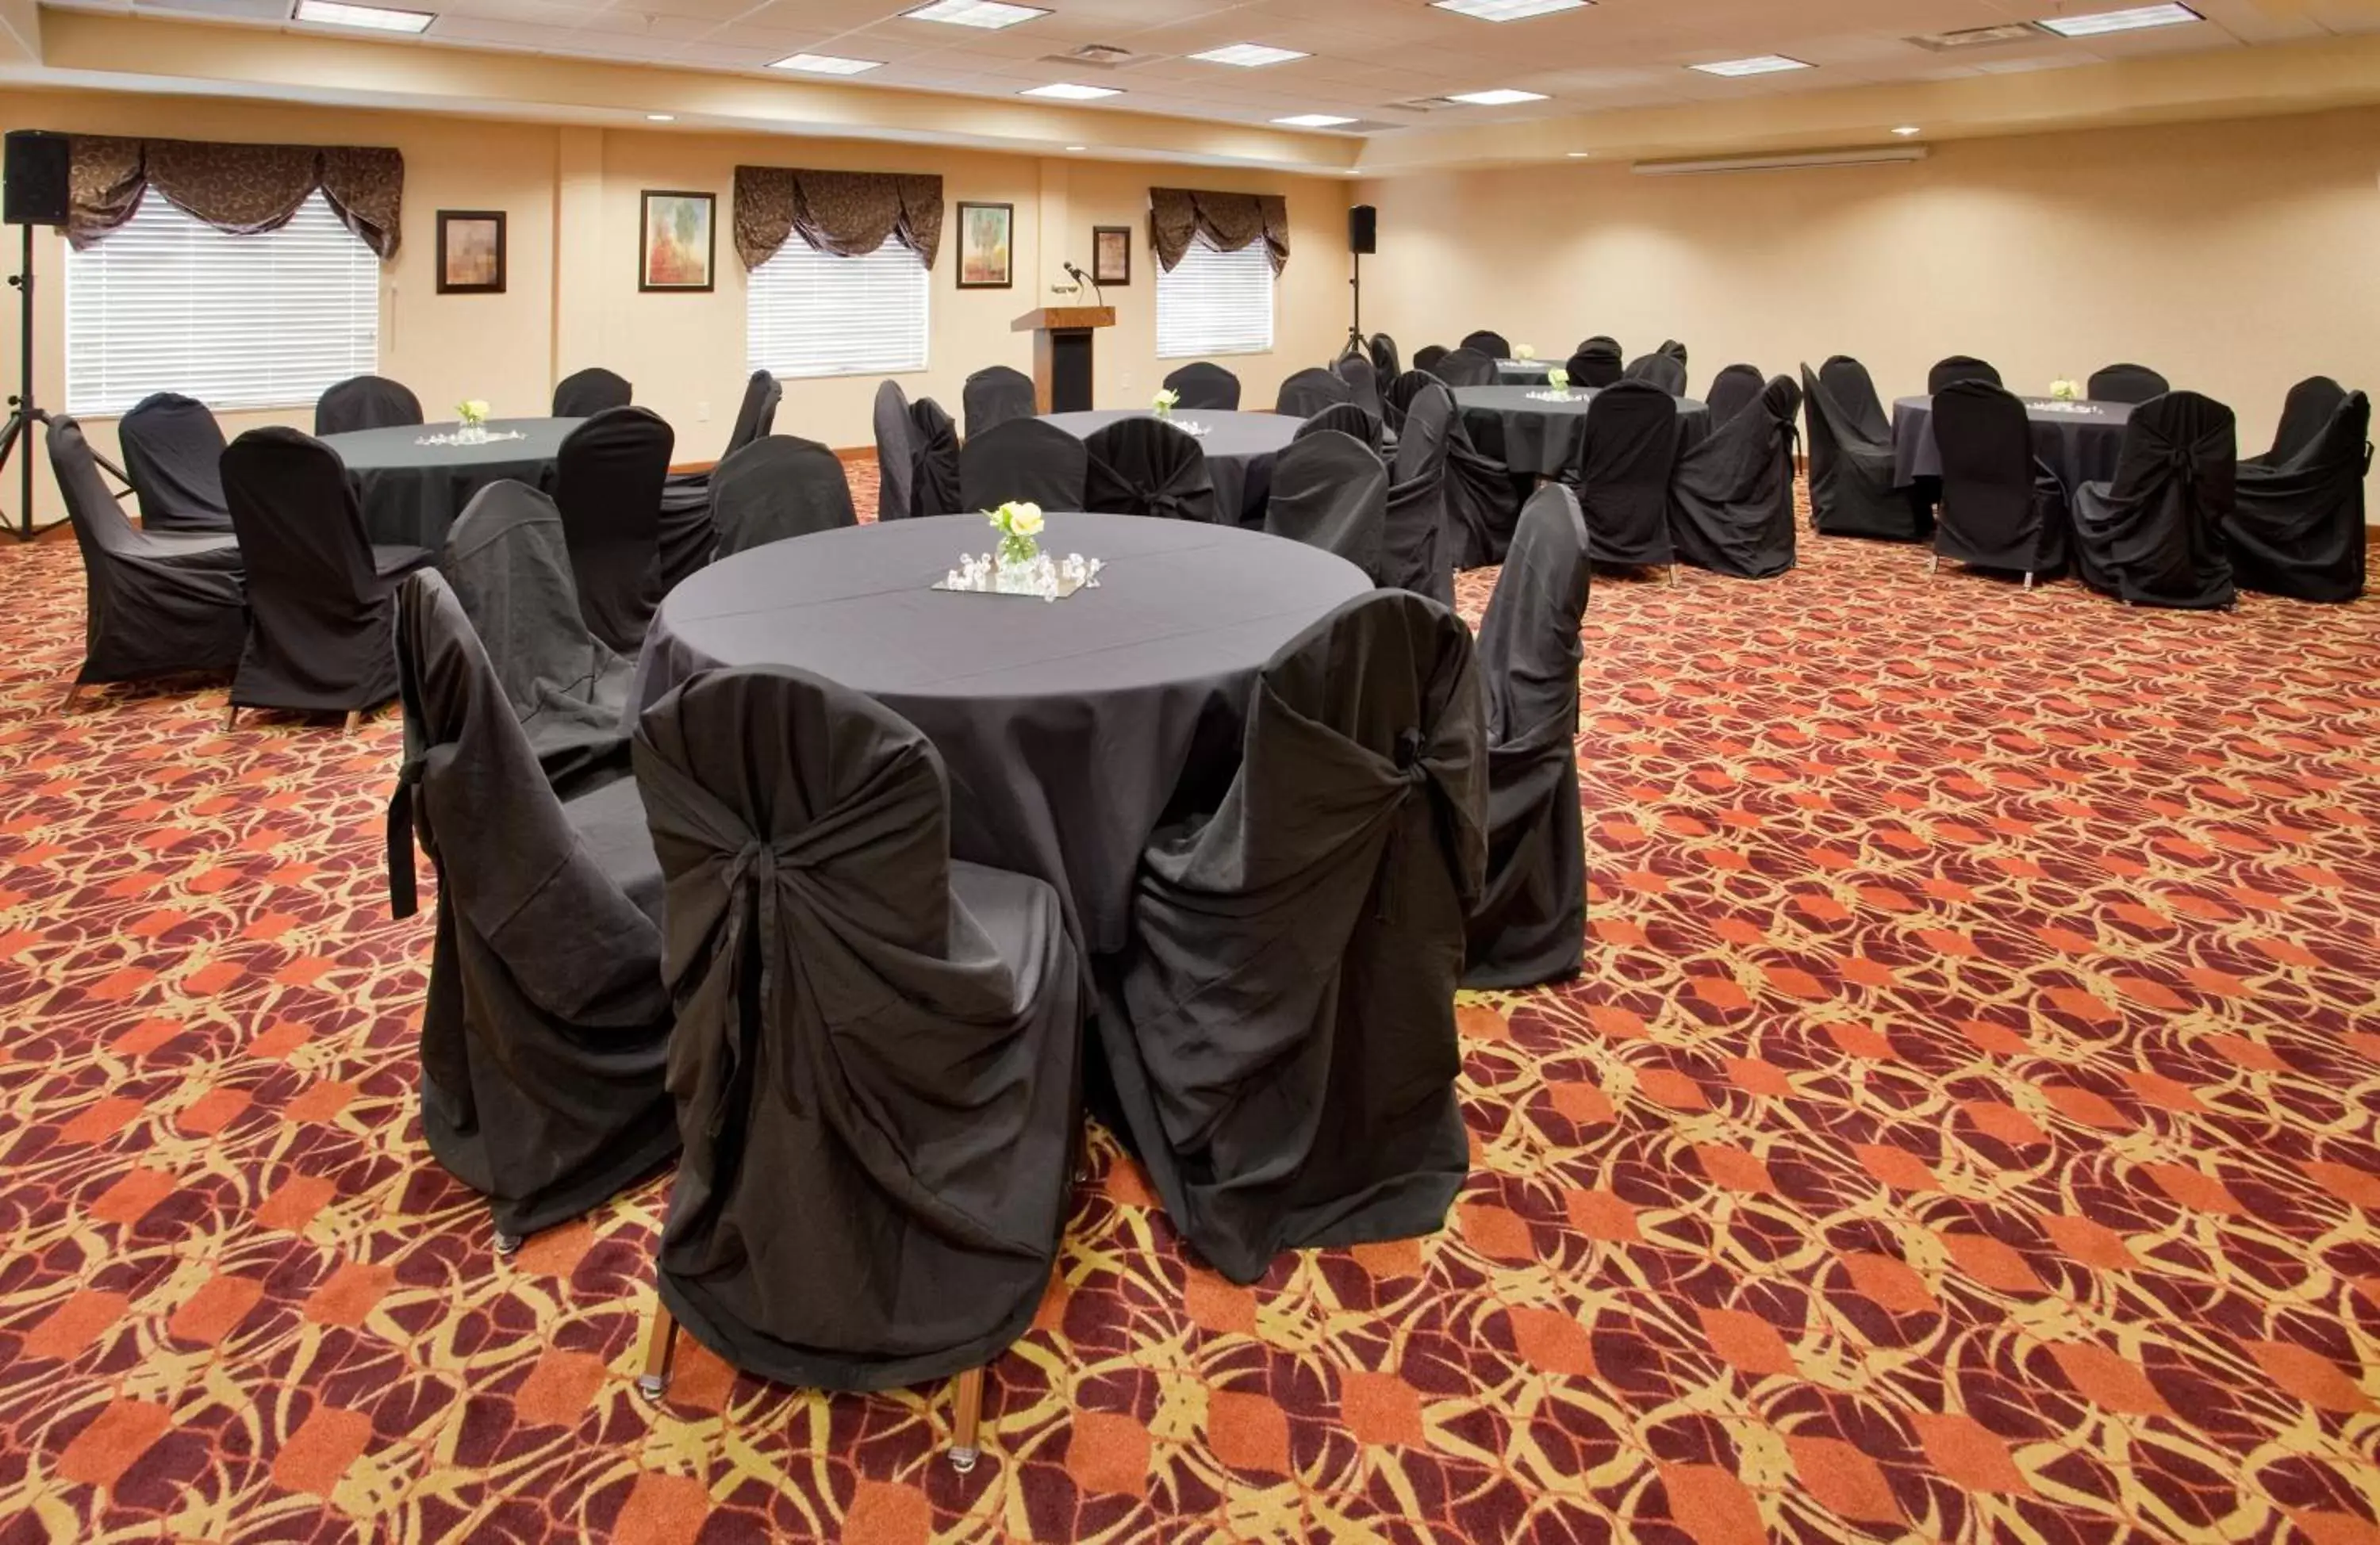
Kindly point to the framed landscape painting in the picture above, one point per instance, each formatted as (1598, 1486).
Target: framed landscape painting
(679, 241)
(984, 254)
(470, 252)
(1111, 254)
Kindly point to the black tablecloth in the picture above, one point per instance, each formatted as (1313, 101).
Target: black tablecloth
(2079, 447)
(1523, 372)
(1548, 438)
(1068, 727)
(412, 492)
(1240, 450)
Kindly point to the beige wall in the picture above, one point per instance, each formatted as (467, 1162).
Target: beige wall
(572, 198)
(2235, 257)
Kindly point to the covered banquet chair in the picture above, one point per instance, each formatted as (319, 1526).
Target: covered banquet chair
(993, 395)
(2126, 383)
(1731, 389)
(2001, 507)
(607, 482)
(1465, 368)
(1204, 384)
(545, 1034)
(777, 488)
(1427, 357)
(1958, 368)
(1279, 1028)
(1416, 552)
(1597, 363)
(1330, 491)
(1664, 371)
(173, 457)
(1529, 924)
(365, 402)
(1488, 342)
(1026, 460)
(1145, 466)
(1363, 382)
(1852, 491)
(2296, 525)
(1308, 393)
(585, 394)
(934, 440)
(687, 537)
(1483, 493)
(2305, 413)
(1346, 418)
(1732, 495)
(1387, 365)
(1623, 473)
(875, 1055)
(2153, 535)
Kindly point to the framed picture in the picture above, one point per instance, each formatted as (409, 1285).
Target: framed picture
(680, 241)
(470, 252)
(1111, 254)
(985, 258)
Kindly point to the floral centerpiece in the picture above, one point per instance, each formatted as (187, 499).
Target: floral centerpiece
(471, 415)
(1164, 402)
(1019, 525)
(1524, 350)
(2066, 391)
(1559, 379)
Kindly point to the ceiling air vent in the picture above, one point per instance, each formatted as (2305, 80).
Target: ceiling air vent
(1098, 56)
(1978, 37)
(1425, 104)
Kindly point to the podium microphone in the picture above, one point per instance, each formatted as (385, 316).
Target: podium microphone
(1079, 277)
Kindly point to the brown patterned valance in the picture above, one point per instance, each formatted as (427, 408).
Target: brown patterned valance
(239, 188)
(847, 213)
(1177, 216)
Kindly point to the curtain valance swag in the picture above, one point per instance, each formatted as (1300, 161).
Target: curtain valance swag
(847, 213)
(239, 188)
(1177, 216)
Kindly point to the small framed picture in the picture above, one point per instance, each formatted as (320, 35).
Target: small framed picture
(1111, 254)
(985, 258)
(679, 241)
(470, 252)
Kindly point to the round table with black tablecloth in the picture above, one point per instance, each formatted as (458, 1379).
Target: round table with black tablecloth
(1523, 372)
(411, 492)
(1240, 450)
(1548, 438)
(1071, 728)
(2081, 442)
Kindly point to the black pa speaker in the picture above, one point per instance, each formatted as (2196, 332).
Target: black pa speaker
(33, 180)
(1363, 229)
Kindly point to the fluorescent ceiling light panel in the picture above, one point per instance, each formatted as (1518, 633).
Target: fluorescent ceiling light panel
(1500, 97)
(330, 13)
(827, 63)
(1250, 55)
(1314, 120)
(1066, 90)
(1759, 63)
(1508, 10)
(990, 15)
(2098, 23)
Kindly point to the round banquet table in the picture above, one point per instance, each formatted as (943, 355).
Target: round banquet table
(1548, 438)
(2081, 442)
(1523, 372)
(1069, 728)
(412, 492)
(1240, 450)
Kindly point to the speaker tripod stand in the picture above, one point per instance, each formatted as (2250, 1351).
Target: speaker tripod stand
(16, 437)
(1355, 340)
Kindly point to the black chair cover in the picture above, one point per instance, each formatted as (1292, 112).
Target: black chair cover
(2001, 507)
(1280, 1030)
(590, 392)
(1330, 491)
(1029, 460)
(875, 1056)
(1386, 364)
(545, 1032)
(1145, 466)
(1665, 371)
(2126, 383)
(2155, 534)
(1465, 368)
(1428, 354)
(1675, 350)
(1309, 391)
(2305, 413)
(1623, 476)
(1852, 491)
(1416, 551)
(756, 417)
(1346, 418)
(153, 602)
(1731, 389)
(1488, 343)
(1363, 382)
(1530, 923)
(687, 537)
(1958, 368)
(1597, 363)
(365, 402)
(1398, 399)
(1731, 497)
(2297, 527)
(936, 441)
(896, 454)
(319, 609)
(993, 395)
(1483, 494)
(173, 456)
(778, 488)
(1201, 384)
(608, 482)
(509, 565)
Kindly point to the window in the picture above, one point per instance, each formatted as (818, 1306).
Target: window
(812, 313)
(167, 303)
(1215, 303)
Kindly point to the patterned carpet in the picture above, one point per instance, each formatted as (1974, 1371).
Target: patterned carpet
(1964, 1132)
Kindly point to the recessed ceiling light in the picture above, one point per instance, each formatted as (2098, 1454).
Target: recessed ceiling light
(1508, 10)
(1905, 130)
(1066, 90)
(827, 63)
(661, 118)
(2096, 22)
(1314, 120)
(988, 14)
(1076, 149)
(1578, 155)
(1500, 97)
(380, 19)
(1759, 63)
(1250, 55)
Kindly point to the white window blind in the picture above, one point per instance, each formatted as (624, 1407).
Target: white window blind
(1215, 303)
(810, 313)
(167, 303)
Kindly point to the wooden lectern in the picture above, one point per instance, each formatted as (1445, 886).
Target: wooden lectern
(1061, 354)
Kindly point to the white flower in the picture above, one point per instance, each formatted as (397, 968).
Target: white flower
(1017, 519)
(472, 410)
(1559, 379)
(1524, 350)
(2065, 390)
(1166, 398)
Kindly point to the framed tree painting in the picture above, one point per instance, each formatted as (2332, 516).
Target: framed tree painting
(680, 241)
(470, 252)
(986, 259)
(1111, 254)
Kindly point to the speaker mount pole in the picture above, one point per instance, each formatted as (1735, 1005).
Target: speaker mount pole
(1355, 329)
(16, 439)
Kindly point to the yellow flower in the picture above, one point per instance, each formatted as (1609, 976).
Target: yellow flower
(1524, 350)
(1025, 520)
(1166, 398)
(1559, 379)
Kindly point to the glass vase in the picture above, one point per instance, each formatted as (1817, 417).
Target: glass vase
(471, 434)
(1018, 561)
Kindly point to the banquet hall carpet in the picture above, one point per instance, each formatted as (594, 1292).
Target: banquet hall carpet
(1964, 1130)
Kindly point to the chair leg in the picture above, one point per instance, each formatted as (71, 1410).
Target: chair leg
(1933, 565)
(73, 694)
(231, 717)
(509, 1245)
(354, 717)
(2028, 579)
(1674, 574)
(661, 1350)
(966, 1414)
